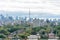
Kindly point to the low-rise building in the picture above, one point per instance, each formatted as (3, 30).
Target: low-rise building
(34, 37)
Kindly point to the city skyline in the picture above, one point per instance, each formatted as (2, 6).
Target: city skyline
(26, 14)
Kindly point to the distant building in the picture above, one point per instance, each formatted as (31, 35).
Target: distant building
(51, 35)
(39, 22)
(33, 37)
(36, 22)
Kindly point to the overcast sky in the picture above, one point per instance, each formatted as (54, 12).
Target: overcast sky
(49, 6)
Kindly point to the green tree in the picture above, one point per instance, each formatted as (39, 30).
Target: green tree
(2, 36)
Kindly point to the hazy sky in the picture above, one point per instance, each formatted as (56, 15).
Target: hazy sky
(49, 6)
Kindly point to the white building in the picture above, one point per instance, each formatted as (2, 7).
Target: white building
(33, 37)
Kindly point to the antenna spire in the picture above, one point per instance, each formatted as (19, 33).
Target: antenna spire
(29, 13)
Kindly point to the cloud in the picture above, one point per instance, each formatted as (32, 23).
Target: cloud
(51, 6)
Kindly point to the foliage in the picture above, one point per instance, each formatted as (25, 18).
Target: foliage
(2, 36)
(23, 36)
(42, 30)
